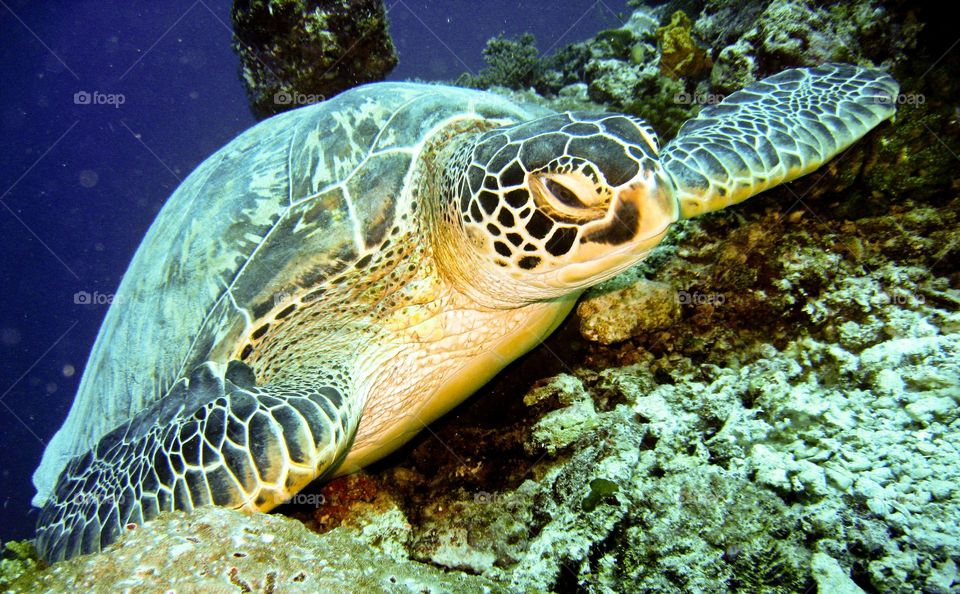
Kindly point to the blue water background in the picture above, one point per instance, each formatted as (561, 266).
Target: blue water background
(80, 184)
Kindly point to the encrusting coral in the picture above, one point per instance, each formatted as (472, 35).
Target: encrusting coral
(680, 56)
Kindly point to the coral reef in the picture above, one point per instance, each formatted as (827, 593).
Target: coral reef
(219, 550)
(511, 63)
(680, 56)
(619, 69)
(764, 37)
(295, 52)
(17, 558)
(702, 51)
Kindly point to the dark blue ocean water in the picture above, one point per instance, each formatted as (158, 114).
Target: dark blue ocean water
(80, 184)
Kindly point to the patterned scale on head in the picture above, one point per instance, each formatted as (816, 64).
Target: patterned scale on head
(535, 191)
(560, 202)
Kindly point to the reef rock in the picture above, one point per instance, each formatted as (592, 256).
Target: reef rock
(297, 52)
(220, 550)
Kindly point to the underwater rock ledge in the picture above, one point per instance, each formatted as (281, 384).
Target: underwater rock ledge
(220, 550)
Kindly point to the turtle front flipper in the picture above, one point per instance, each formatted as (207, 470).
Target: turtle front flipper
(773, 131)
(212, 440)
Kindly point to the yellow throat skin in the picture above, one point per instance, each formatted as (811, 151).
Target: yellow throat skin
(438, 362)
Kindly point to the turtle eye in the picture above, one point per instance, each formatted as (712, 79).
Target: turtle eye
(563, 194)
(570, 197)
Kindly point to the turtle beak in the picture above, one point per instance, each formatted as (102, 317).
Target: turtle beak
(639, 214)
(653, 198)
(639, 217)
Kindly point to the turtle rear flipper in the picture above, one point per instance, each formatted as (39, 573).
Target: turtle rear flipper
(773, 131)
(212, 440)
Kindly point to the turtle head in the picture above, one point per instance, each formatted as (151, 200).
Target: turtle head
(557, 204)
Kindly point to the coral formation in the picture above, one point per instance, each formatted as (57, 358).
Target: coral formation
(680, 56)
(17, 558)
(640, 307)
(511, 63)
(219, 550)
(619, 69)
(295, 52)
(759, 38)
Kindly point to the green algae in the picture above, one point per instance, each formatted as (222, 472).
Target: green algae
(601, 491)
(680, 55)
(18, 561)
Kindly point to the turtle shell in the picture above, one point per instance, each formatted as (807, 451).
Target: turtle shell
(284, 206)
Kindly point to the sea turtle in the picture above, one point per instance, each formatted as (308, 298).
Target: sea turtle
(341, 275)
